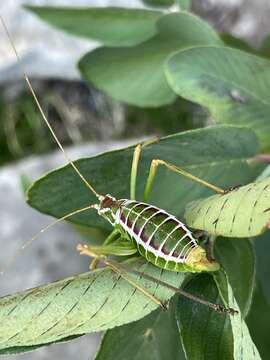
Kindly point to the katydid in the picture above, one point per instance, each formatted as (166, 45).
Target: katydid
(140, 227)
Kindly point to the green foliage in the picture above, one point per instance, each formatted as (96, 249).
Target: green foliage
(232, 84)
(125, 73)
(238, 260)
(154, 338)
(110, 26)
(242, 212)
(159, 2)
(149, 59)
(191, 150)
(198, 324)
(88, 302)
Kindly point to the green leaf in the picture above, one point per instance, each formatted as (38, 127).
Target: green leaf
(217, 154)
(159, 2)
(184, 4)
(238, 43)
(152, 338)
(135, 74)
(232, 84)
(262, 249)
(205, 334)
(198, 323)
(241, 212)
(111, 26)
(238, 259)
(94, 301)
(243, 346)
(258, 320)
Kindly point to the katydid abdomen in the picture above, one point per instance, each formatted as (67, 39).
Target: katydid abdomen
(159, 236)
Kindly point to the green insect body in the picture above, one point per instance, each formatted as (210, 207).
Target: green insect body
(158, 236)
(241, 212)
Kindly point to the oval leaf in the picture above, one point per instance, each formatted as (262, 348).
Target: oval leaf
(238, 259)
(242, 212)
(205, 152)
(243, 345)
(153, 338)
(111, 26)
(214, 335)
(88, 302)
(135, 75)
(232, 84)
(205, 334)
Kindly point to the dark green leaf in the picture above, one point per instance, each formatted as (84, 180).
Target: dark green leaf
(159, 2)
(136, 75)
(265, 48)
(242, 212)
(88, 302)
(243, 346)
(238, 259)
(153, 338)
(110, 26)
(232, 84)
(234, 42)
(205, 152)
(258, 319)
(262, 250)
(205, 334)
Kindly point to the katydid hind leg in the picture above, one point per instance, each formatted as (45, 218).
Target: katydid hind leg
(153, 171)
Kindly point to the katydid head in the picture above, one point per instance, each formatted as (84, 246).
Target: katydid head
(108, 207)
(197, 260)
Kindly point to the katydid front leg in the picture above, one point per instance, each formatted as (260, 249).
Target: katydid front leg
(135, 162)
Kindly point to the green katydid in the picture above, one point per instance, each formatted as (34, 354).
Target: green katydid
(157, 235)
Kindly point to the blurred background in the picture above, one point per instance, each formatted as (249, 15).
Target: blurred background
(86, 122)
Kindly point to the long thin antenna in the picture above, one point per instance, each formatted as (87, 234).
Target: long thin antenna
(42, 112)
(35, 237)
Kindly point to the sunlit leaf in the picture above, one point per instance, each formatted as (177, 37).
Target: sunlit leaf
(88, 302)
(242, 212)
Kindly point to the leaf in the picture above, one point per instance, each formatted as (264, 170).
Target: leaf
(184, 4)
(262, 248)
(258, 317)
(242, 212)
(135, 74)
(152, 338)
(244, 348)
(258, 321)
(159, 2)
(205, 152)
(93, 301)
(204, 333)
(238, 43)
(238, 259)
(111, 26)
(232, 84)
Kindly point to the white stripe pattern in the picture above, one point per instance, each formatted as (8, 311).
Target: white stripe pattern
(147, 245)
